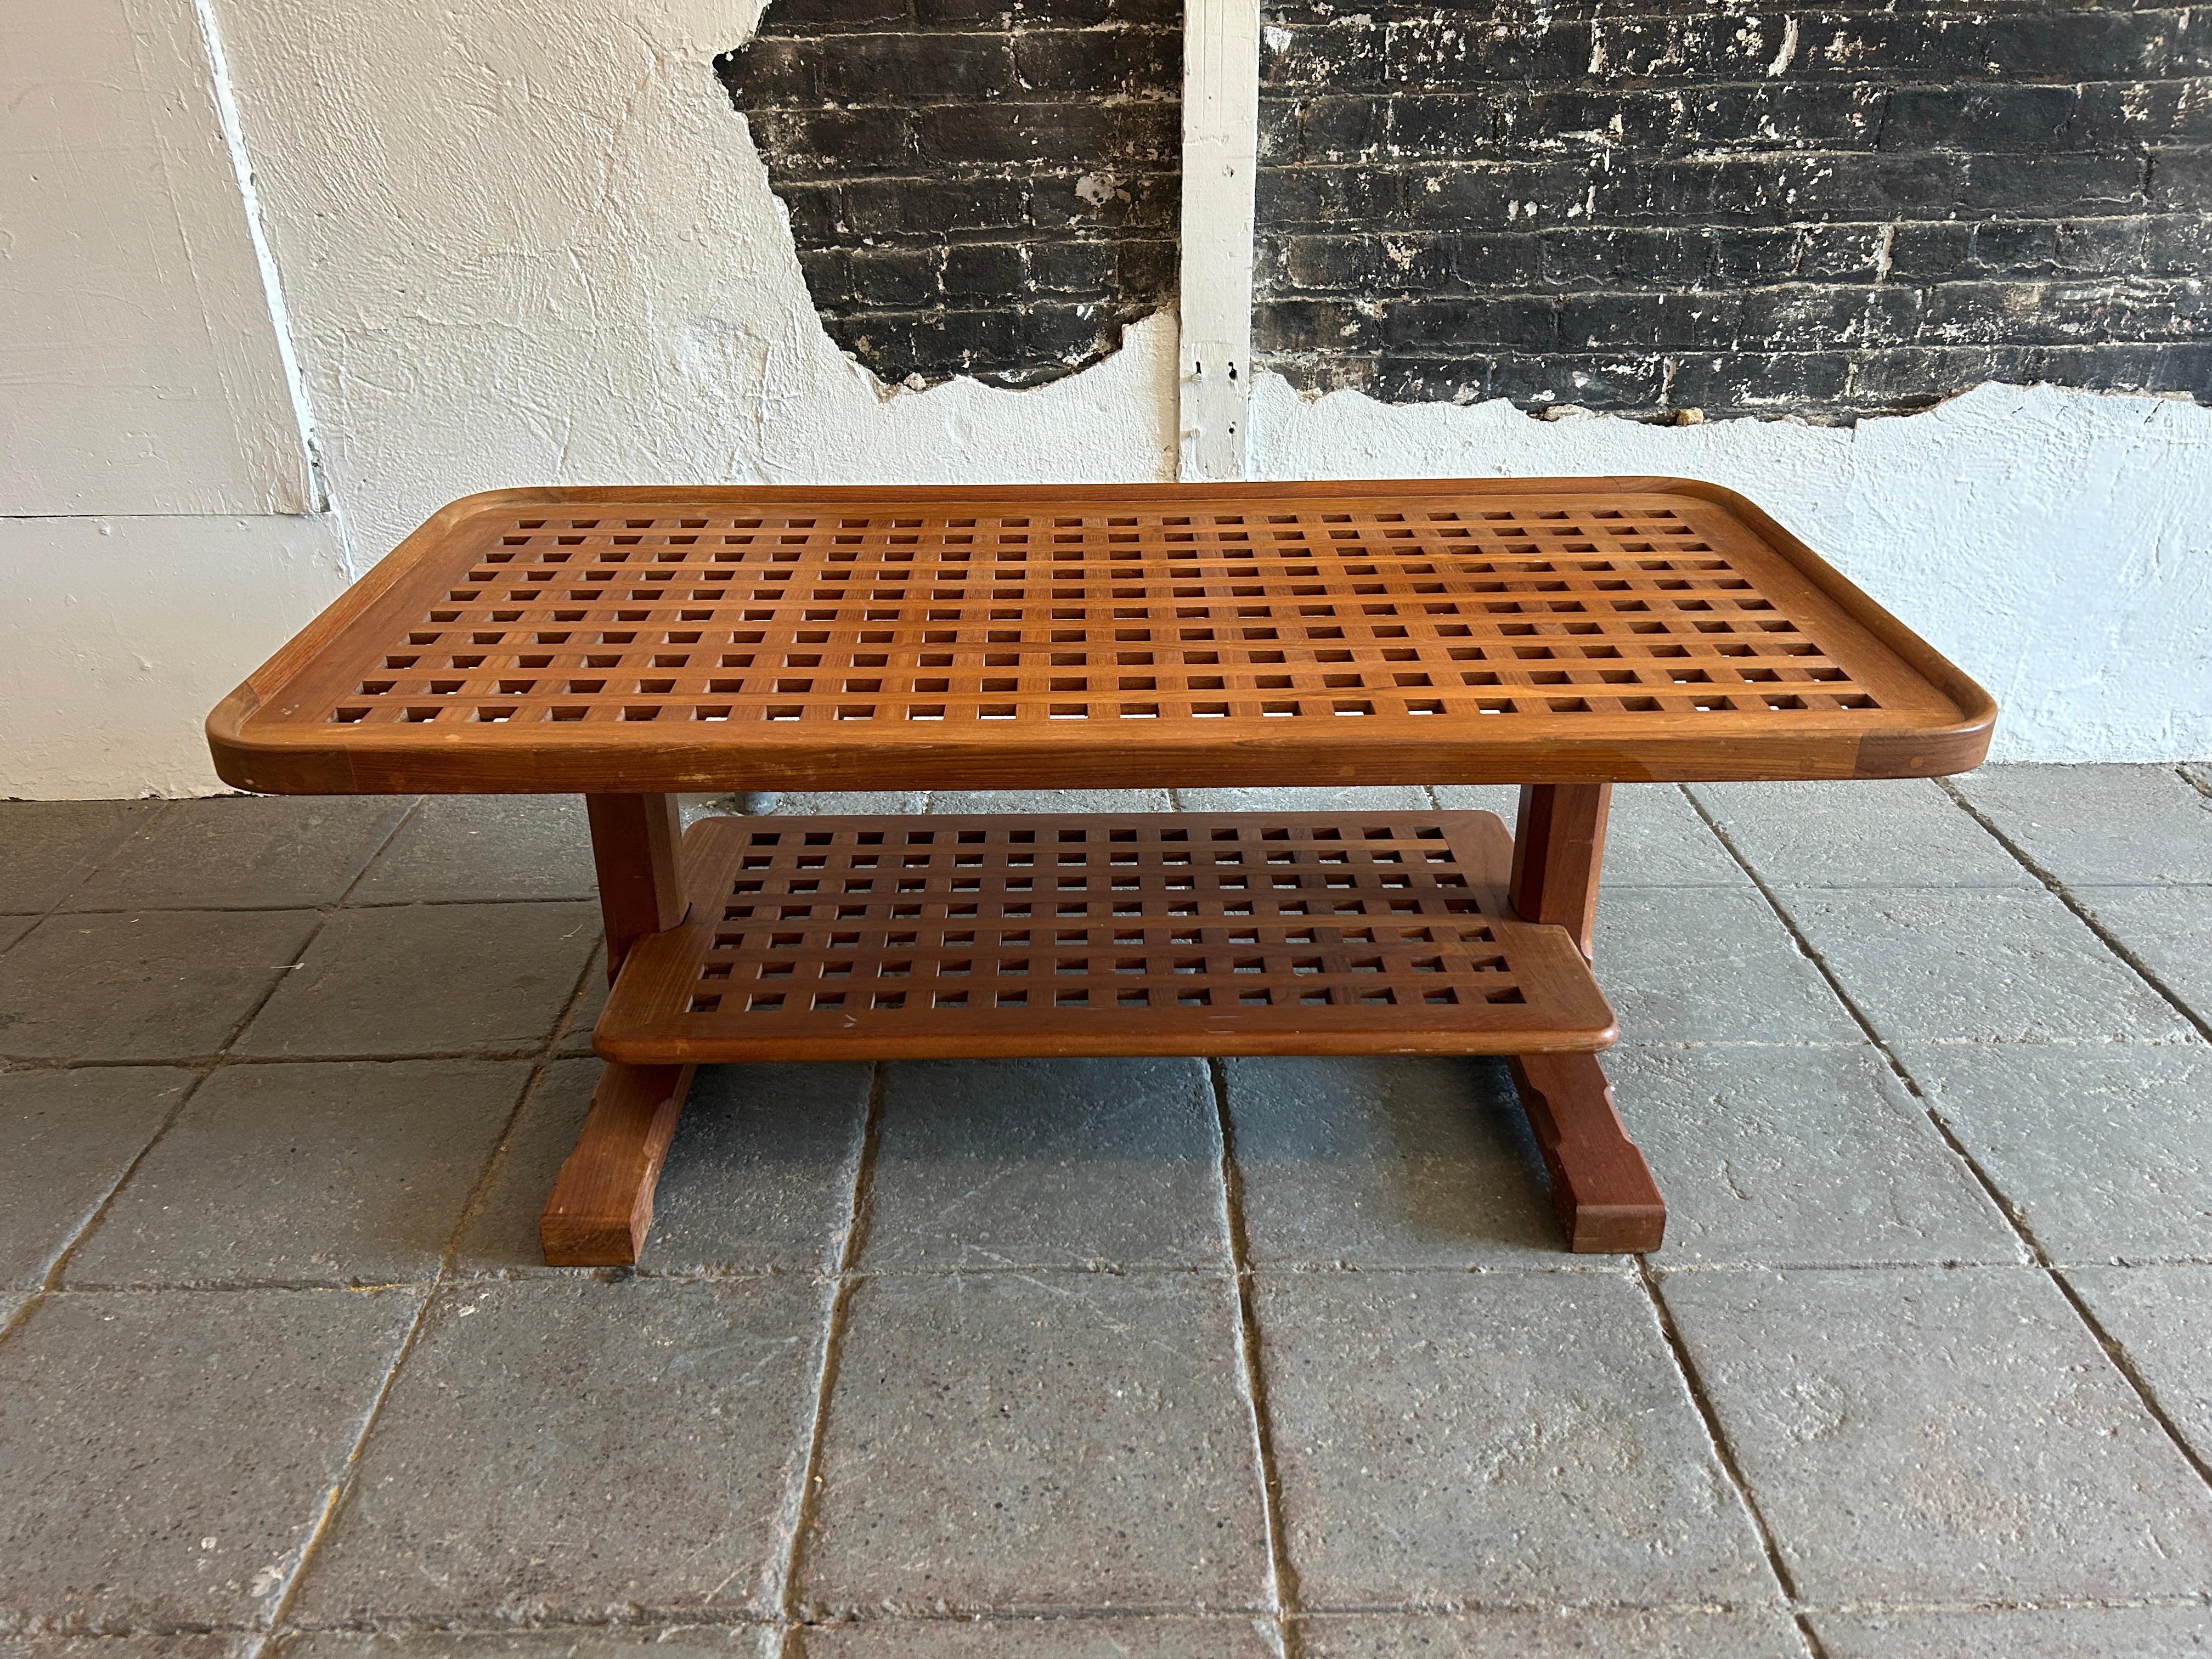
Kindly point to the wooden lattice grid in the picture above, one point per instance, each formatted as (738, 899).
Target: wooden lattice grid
(785, 637)
(1158, 933)
(1229, 615)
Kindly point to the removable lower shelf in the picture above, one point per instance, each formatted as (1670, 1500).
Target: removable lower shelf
(1225, 933)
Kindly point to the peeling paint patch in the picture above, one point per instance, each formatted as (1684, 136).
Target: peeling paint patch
(974, 188)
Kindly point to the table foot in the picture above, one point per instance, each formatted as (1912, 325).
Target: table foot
(1601, 1189)
(602, 1204)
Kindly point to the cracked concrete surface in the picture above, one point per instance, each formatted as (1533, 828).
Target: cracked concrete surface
(1083, 1358)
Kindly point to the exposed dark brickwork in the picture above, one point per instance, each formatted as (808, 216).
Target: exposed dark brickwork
(974, 188)
(1653, 206)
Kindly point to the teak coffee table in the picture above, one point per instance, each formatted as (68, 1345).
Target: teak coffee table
(1563, 635)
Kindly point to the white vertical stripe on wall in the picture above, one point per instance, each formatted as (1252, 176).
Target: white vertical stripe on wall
(140, 368)
(1220, 146)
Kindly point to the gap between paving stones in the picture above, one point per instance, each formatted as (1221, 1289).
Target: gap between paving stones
(789, 1559)
(203, 1067)
(101, 864)
(2082, 914)
(1768, 1545)
(273, 1642)
(1282, 1582)
(260, 909)
(2014, 1217)
(334, 1500)
(430, 1288)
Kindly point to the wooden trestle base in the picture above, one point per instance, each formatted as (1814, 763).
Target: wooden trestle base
(601, 1204)
(1345, 932)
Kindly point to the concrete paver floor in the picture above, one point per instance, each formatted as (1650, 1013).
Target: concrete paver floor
(1160, 1358)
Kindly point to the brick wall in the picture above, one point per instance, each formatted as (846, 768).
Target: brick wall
(1652, 205)
(974, 188)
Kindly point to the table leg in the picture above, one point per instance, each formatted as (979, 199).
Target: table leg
(1601, 1189)
(636, 843)
(1558, 846)
(601, 1204)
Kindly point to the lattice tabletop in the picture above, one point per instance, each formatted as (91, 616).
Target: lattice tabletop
(1192, 933)
(1494, 630)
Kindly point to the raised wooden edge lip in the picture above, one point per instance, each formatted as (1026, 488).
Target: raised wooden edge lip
(232, 750)
(1977, 709)
(310, 763)
(1200, 1044)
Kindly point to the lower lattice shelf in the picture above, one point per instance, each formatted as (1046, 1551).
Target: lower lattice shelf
(1226, 933)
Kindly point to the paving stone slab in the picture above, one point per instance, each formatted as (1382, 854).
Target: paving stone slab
(1930, 1435)
(762, 1172)
(66, 1139)
(1051, 800)
(52, 846)
(1047, 1163)
(169, 1455)
(486, 846)
(1992, 966)
(1031, 1442)
(557, 1449)
(266, 852)
(10, 1302)
(1883, 833)
(1654, 838)
(2104, 1152)
(1492, 1437)
(429, 979)
(1789, 1157)
(839, 803)
(2039, 1633)
(1034, 1639)
(502, 1236)
(13, 927)
(2169, 929)
(759, 1178)
(1403, 798)
(345, 1173)
(739, 1641)
(1503, 799)
(2097, 826)
(1388, 1163)
(1711, 965)
(583, 1015)
(1753, 1634)
(161, 985)
(2162, 1319)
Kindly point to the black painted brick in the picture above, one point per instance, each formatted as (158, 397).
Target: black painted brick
(1908, 197)
(984, 187)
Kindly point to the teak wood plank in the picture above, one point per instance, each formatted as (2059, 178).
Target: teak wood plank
(1559, 842)
(634, 839)
(601, 1208)
(1601, 1189)
(1200, 934)
(631, 641)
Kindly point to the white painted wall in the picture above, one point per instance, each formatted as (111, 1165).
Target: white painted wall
(119, 634)
(139, 367)
(534, 244)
